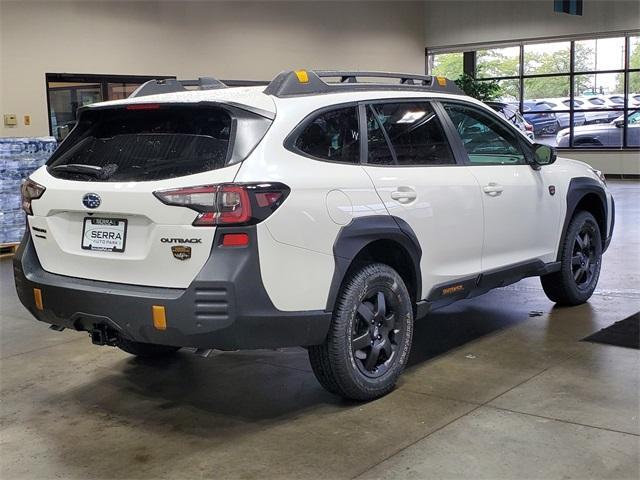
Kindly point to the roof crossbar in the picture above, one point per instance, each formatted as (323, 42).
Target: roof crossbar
(311, 82)
(171, 85)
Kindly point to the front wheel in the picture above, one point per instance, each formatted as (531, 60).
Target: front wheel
(369, 339)
(581, 259)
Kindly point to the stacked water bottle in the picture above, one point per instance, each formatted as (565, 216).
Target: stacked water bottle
(19, 157)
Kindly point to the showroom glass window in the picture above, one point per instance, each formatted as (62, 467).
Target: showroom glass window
(68, 92)
(406, 134)
(448, 65)
(574, 93)
(332, 135)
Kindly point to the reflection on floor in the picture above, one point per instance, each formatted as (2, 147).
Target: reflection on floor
(490, 392)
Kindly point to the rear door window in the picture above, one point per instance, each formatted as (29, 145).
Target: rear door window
(145, 142)
(332, 135)
(406, 133)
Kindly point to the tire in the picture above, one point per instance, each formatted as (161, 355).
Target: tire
(551, 129)
(369, 338)
(580, 262)
(146, 350)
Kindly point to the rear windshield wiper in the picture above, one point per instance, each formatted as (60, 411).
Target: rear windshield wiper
(79, 168)
(92, 170)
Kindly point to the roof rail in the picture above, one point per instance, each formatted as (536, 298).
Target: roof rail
(310, 82)
(171, 85)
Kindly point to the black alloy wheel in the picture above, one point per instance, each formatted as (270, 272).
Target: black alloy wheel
(584, 261)
(369, 339)
(376, 336)
(580, 262)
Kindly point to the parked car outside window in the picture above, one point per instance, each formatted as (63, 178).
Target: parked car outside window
(604, 135)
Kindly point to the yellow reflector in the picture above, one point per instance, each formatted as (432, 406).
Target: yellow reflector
(302, 75)
(159, 317)
(442, 81)
(37, 296)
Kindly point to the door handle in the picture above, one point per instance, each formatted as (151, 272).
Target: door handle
(404, 195)
(492, 189)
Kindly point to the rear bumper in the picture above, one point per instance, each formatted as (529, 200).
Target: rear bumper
(226, 306)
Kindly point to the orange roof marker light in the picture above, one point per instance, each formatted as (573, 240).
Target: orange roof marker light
(303, 76)
(442, 81)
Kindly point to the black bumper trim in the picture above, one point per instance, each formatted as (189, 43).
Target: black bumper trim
(607, 241)
(226, 306)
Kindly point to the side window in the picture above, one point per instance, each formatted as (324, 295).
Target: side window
(332, 135)
(407, 133)
(486, 140)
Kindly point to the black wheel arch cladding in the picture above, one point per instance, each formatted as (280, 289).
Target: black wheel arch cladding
(583, 189)
(363, 232)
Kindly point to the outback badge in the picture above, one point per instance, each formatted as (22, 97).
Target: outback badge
(181, 252)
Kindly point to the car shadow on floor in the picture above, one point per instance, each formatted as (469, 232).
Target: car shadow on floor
(466, 321)
(266, 385)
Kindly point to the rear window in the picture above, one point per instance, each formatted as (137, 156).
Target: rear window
(332, 135)
(149, 143)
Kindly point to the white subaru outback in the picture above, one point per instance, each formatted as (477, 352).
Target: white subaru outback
(321, 211)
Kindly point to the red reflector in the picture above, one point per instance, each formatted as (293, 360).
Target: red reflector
(143, 106)
(235, 240)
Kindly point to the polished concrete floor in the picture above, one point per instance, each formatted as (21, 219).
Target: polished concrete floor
(498, 387)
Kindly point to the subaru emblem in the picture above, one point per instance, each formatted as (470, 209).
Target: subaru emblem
(91, 200)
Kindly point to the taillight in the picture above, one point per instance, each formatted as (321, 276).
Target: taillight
(30, 190)
(227, 203)
(233, 205)
(528, 127)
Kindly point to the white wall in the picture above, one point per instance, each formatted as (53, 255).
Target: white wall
(224, 39)
(622, 162)
(462, 22)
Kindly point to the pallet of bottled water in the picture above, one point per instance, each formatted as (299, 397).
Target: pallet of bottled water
(19, 157)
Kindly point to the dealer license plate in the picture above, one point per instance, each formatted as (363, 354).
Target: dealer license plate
(104, 234)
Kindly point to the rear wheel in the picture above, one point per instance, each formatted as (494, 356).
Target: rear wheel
(369, 338)
(145, 349)
(581, 258)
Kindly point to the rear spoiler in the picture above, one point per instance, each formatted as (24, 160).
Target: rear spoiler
(171, 85)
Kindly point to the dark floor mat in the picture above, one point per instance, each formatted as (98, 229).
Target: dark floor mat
(625, 333)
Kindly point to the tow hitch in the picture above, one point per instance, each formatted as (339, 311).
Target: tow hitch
(103, 335)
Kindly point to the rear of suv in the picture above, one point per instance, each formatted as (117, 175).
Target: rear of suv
(314, 213)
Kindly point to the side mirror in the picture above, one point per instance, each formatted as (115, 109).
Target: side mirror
(544, 154)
